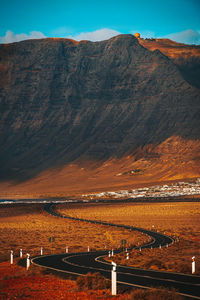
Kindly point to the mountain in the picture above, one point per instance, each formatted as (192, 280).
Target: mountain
(78, 105)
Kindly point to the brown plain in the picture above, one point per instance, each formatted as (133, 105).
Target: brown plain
(29, 227)
(179, 220)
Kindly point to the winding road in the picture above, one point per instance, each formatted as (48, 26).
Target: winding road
(82, 263)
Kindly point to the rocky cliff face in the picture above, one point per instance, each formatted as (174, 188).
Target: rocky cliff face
(61, 101)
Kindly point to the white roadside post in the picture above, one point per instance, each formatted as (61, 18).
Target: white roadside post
(20, 253)
(41, 251)
(28, 261)
(108, 253)
(112, 253)
(67, 250)
(114, 278)
(193, 264)
(11, 257)
(88, 249)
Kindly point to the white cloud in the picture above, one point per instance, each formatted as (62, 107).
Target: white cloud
(188, 36)
(10, 37)
(98, 35)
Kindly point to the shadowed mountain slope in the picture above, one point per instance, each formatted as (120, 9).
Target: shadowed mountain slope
(61, 101)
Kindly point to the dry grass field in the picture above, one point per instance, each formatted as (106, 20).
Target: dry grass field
(29, 227)
(17, 283)
(180, 220)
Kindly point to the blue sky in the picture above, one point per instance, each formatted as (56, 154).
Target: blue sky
(98, 20)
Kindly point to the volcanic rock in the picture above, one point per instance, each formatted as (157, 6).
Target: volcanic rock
(63, 101)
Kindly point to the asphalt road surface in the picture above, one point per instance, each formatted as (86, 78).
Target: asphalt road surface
(82, 263)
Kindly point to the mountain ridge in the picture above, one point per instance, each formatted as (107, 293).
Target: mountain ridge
(185, 57)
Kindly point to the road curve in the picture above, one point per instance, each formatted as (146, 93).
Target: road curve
(84, 262)
(158, 239)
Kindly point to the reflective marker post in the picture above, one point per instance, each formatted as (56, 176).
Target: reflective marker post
(114, 279)
(193, 264)
(41, 251)
(20, 253)
(67, 250)
(11, 257)
(28, 261)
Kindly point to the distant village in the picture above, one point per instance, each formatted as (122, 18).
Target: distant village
(171, 190)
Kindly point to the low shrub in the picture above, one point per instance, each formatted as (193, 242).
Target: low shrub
(154, 294)
(185, 268)
(155, 262)
(92, 281)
